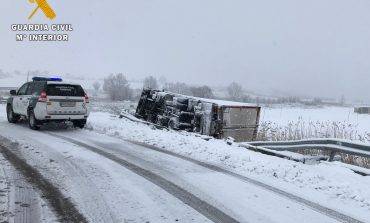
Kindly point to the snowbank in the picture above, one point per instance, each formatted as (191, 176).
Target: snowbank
(329, 184)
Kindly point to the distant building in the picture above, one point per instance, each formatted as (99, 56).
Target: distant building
(362, 110)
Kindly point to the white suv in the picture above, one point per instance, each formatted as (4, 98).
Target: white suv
(48, 99)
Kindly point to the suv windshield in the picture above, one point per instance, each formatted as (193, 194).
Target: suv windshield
(65, 90)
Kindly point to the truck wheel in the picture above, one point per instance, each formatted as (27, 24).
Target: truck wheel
(182, 107)
(79, 123)
(171, 125)
(12, 118)
(186, 117)
(174, 123)
(32, 121)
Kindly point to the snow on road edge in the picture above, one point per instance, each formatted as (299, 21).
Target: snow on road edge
(331, 185)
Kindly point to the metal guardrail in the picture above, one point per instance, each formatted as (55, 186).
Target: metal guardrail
(284, 155)
(332, 145)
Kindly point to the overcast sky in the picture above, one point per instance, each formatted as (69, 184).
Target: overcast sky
(305, 47)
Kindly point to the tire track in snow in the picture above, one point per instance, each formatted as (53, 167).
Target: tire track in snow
(204, 208)
(312, 205)
(317, 207)
(62, 206)
(23, 203)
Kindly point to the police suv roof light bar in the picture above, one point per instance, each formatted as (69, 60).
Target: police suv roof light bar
(58, 79)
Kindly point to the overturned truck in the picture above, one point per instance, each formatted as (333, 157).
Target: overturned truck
(220, 119)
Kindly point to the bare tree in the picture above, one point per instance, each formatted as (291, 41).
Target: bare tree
(317, 101)
(117, 87)
(33, 73)
(150, 82)
(162, 81)
(178, 87)
(342, 100)
(96, 86)
(202, 92)
(235, 91)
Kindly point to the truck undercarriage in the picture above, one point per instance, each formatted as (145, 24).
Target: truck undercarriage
(215, 118)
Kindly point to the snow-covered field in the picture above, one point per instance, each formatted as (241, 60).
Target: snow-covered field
(284, 123)
(329, 184)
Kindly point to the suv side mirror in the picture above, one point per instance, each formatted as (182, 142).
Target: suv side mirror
(13, 92)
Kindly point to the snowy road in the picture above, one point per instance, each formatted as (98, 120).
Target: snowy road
(19, 201)
(111, 180)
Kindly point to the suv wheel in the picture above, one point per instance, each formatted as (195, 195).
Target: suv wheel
(12, 117)
(79, 123)
(32, 121)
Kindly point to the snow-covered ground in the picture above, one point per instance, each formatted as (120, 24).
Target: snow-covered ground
(329, 184)
(284, 115)
(102, 190)
(326, 183)
(19, 201)
(284, 123)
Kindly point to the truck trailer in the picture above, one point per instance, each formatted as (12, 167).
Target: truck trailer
(217, 118)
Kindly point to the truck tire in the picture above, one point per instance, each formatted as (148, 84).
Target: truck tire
(183, 100)
(32, 121)
(185, 126)
(162, 121)
(12, 117)
(186, 117)
(79, 123)
(182, 107)
(172, 125)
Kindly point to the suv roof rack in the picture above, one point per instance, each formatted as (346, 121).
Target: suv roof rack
(47, 79)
